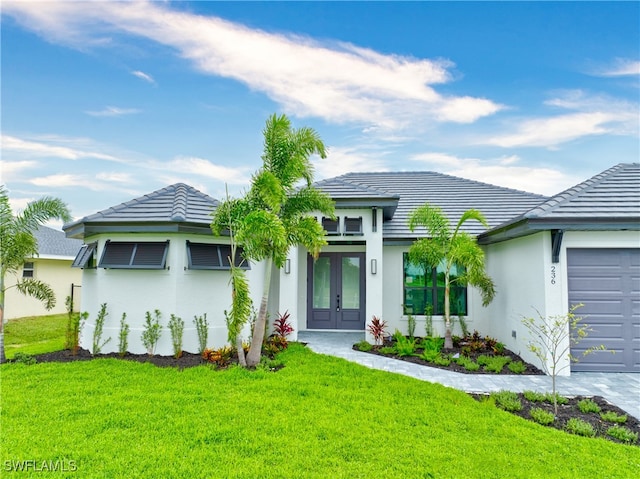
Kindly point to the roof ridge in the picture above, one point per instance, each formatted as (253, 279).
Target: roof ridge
(180, 200)
(577, 190)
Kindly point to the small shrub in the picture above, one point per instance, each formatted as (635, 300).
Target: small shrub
(498, 348)
(74, 328)
(387, 350)
(202, 328)
(463, 325)
(411, 325)
(97, 332)
(549, 397)
(507, 400)
(541, 416)
(176, 326)
(24, 358)
(588, 405)
(428, 320)
(429, 355)
(495, 364)
(482, 360)
(517, 367)
(534, 396)
(467, 363)
(611, 416)
(580, 427)
(364, 346)
(622, 434)
(405, 346)
(281, 326)
(151, 332)
(378, 328)
(221, 357)
(432, 344)
(123, 336)
(274, 344)
(442, 360)
(269, 365)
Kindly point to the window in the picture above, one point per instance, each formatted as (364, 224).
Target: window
(86, 256)
(332, 227)
(424, 286)
(213, 256)
(353, 226)
(28, 270)
(134, 255)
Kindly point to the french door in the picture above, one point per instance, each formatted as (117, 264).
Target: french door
(336, 291)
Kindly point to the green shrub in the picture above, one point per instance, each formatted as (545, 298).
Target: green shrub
(428, 320)
(588, 405)
(517, 367)
(580, 427)
(623, 434)
(176, 326)
(151, 332)
(220, 357)
(495, 364)
(611, 416)
(534, 396)
(123, 336)
(507, 400)
(467, 363)
(270, 365)
(364, 346)
(202, 328)
(387, 350)
(442, 360)
(405, 346)
(432, 344)
(97, 332)
(482, 360)
(411, 325)
(429, 355)
(23, 358)
(559, 399)
(541, 416)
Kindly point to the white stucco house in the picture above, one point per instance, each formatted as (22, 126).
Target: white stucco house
(53, 266)
(583, 245)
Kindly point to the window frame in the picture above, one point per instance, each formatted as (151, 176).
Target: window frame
(133, 255)
(29, 272)
(431, 291)
(333, 224)
(223, 263)
(349, 222)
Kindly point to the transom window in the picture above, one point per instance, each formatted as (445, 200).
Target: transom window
(331, 227)
(134, 255)
(86, 256)
(213, 256)
(353, 226)
(424, 290)
(28, 269)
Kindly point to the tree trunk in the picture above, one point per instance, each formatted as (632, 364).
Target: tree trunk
(255, 351)
(242, 360)
(448, 342)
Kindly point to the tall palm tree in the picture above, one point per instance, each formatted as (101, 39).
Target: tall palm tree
(17, 244)
(447, 248)
(275, 213)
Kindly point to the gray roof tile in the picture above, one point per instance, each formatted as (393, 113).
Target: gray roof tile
(454, 195)
(54, 243)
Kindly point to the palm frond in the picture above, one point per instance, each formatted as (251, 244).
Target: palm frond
(38, 290)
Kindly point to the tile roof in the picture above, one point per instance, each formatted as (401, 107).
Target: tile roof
(453, 194)
(172, 205)
(52, 242)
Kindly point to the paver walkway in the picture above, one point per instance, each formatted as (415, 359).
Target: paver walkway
(621, 389)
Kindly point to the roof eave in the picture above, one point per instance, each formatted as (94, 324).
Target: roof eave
(388, 205)
(83, 230)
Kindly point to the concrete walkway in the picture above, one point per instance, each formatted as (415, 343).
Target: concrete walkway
(621, 389)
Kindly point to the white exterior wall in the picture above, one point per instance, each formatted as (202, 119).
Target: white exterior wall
(57, 273)
(174, 290)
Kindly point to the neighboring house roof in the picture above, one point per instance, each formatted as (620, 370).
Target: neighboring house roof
(608, 201)
(53, 244)
(452, 194)
(178, 207)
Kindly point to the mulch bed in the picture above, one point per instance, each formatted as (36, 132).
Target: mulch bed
(187, 360)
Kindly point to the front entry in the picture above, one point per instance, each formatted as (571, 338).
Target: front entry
(336, 294)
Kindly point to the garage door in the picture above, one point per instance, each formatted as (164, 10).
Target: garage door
(607, 282)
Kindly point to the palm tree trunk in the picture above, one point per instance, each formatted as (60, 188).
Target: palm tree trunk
(242, 360)
(255, 351)
(2, 356)
(448, 342)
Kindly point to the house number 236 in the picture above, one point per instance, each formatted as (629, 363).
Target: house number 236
(553, 275)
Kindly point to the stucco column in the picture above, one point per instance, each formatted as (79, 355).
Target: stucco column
(374, 274)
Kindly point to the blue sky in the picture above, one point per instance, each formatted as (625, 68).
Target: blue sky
(106, 101)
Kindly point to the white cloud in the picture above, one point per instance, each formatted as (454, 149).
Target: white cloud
(59, 180)
(503, 171)
(115, 177)
(619, 67)
(50, 146)
(341, 160)
(200, 167)
(338, 82)
(143, 76)
(9, 168)
(113, 111)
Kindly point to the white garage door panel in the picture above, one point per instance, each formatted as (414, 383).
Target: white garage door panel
(607, 283)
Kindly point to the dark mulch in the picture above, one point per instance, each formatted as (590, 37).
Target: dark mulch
(187, 360)
(456, 350)
(571, 410)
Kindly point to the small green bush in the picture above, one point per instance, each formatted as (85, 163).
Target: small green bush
(559, 399)
(507, 400)
(541, 416)
(623, 434)
(467, 363)
(483, 360)
(442, 360)
(495, 364)
(405, 346)
(23, 358)
(534, 396)
(387, 350)
(98, 344)
(580, 427)
(517, 367)
(411, 325)
(123, 336)
(364, 346)
(611, 416)
(176, 326)
(432, 344)
(587, 406)
(151, 332)
(202, 328)
(429, 355)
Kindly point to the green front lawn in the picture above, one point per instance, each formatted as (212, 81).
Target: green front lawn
(35, 334)
(318, 417)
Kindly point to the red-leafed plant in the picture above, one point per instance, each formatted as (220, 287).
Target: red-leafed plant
(377, 328)
(281, 326)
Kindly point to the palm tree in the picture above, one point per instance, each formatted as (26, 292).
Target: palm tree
(18, 244)
(447, 248)
(274, 214)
